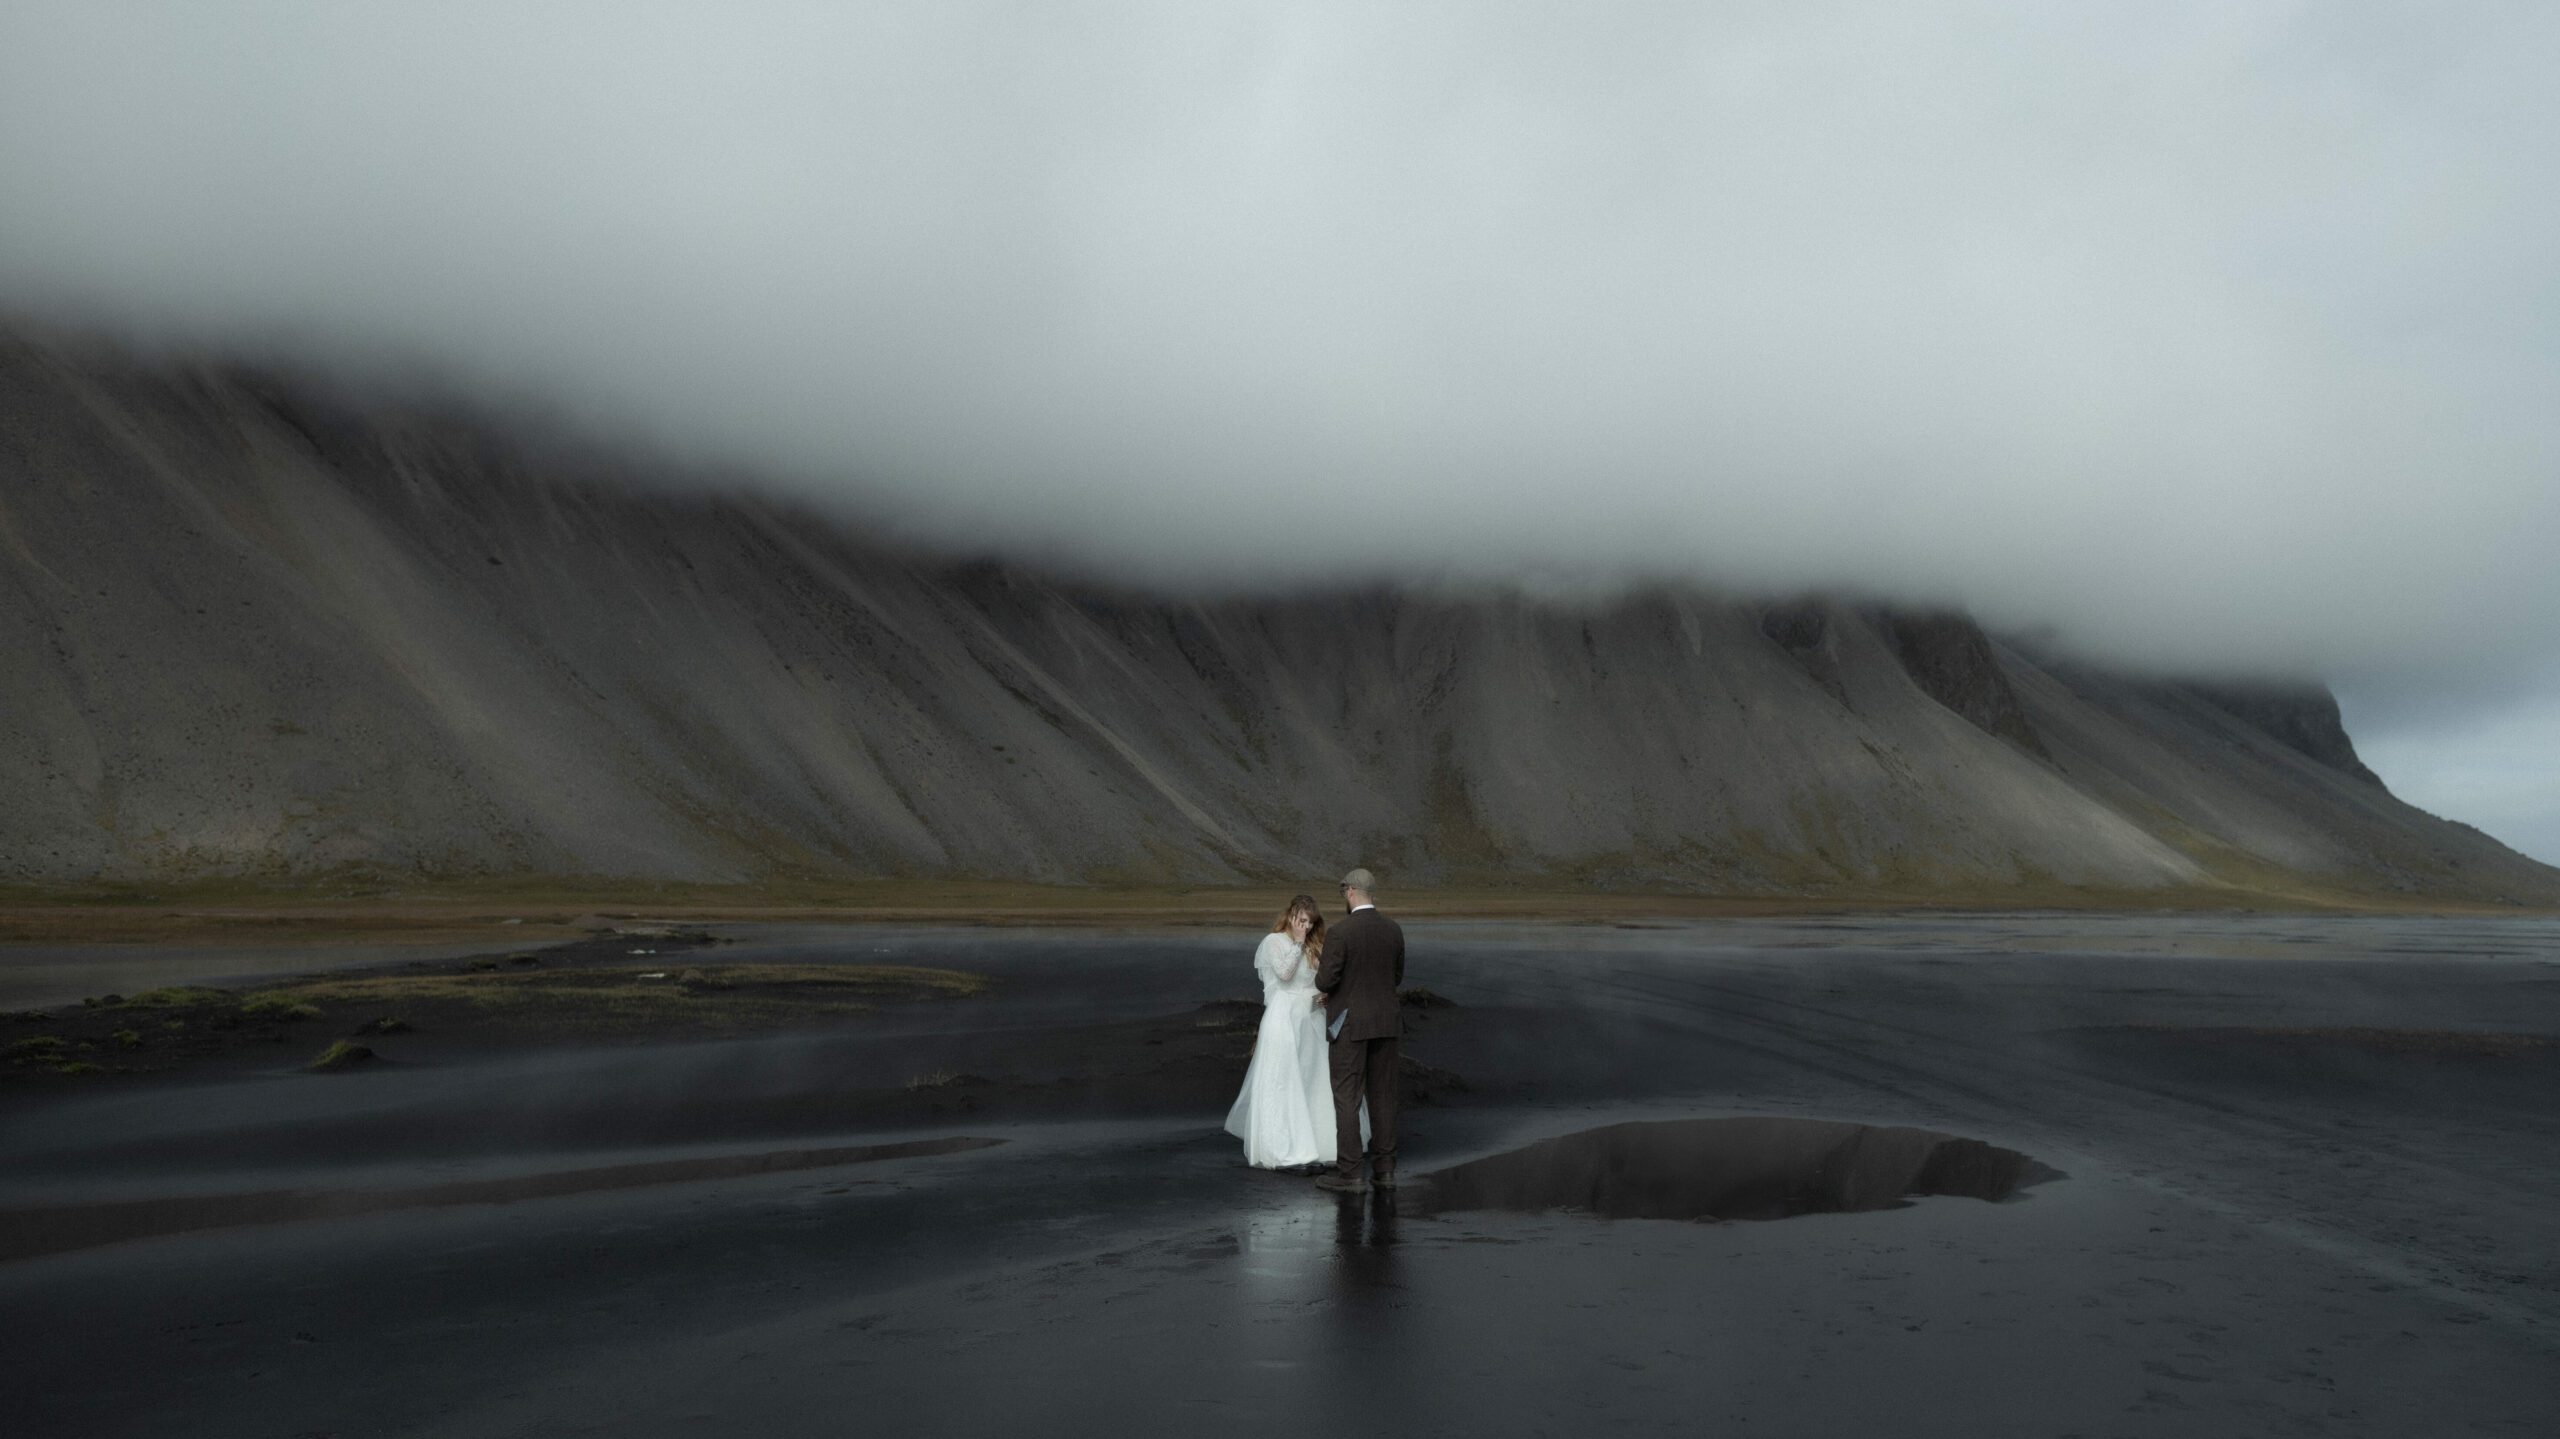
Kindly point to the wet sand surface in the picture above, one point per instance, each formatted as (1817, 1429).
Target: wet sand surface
(2306, 1177)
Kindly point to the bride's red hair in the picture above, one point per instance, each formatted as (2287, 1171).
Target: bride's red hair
(1304, 904)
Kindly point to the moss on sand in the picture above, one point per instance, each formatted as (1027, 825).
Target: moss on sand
(632, 1000)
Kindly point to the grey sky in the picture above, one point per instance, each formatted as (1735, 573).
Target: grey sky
(2491, 767)
(2212, 335)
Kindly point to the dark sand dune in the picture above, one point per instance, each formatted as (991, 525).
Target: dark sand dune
(244, 630)
(52, 1229)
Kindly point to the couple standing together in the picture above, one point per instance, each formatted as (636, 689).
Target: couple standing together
(1328, 1042)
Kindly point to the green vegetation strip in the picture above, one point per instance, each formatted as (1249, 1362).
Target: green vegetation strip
(828, 984)
(177, 1025)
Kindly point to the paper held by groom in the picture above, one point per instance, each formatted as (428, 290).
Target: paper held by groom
(1359, 973)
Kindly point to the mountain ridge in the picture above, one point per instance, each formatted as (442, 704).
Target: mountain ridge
(251, 633)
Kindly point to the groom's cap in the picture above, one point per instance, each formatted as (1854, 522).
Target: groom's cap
(1361, 880)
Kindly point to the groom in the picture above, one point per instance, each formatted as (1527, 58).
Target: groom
(1362, 964)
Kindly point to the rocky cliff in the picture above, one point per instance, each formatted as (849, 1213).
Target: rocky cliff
(242, 631)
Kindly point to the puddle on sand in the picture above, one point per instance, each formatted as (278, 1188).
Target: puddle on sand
(1731, 1169)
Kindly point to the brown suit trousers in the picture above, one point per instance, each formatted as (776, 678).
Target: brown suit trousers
(1365, 1066)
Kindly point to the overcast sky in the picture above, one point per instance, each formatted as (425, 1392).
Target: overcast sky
(2211, 335)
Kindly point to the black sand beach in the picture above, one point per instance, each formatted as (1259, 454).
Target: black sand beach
(2289, 1176)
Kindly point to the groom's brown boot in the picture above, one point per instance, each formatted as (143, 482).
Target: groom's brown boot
(1383, 1175)
(1343, 1181)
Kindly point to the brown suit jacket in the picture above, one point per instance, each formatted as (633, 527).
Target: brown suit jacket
(1362, 964)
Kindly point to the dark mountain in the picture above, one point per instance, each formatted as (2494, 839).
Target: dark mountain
(245, 631)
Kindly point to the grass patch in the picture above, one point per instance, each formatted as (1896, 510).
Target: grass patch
(43, 1046)
(178, 996)
(279, 1007)
(343, 1054)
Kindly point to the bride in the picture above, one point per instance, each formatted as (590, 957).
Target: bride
(1284, 1114)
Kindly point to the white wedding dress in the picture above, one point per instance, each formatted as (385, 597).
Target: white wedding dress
(1284, 1113)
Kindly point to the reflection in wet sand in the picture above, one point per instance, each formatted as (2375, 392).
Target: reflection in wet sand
(1364, 1238)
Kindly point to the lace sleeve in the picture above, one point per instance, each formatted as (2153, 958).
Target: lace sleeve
(1285, 958)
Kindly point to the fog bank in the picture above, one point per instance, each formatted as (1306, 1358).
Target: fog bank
(2205, 333)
